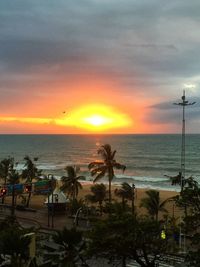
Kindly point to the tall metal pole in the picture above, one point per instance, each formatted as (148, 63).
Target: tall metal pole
(184, 104)
(183, 142)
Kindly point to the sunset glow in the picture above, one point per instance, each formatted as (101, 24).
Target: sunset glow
(101, 70)
(92, 118)
(95, 118)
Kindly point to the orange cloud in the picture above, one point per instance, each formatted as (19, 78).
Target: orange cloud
(91, 118)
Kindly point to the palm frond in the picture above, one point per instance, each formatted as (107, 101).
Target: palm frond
(81, 178)
(70, 171)
(99, 176)
(107, 148)
(64, 178)
(119, 166)
(105, 151)
(98, 170)
(95, 164)
(79, 185)
(113, 154)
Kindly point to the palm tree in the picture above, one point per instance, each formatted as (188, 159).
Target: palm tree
(70, 183)
(70, 250)
(13, 178)
(126, 192)
(29, 173)
(98, 194)
(5, 166)
(152, 203)
(101, 168)
(15, 244)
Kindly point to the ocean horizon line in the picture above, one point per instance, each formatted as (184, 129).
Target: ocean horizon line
(97, 134)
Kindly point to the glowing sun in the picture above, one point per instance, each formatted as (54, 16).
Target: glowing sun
(92, 118)
(96, 118)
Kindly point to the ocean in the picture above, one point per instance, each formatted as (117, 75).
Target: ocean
(148, 158)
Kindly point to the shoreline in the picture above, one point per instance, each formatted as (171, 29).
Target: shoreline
(118, 184)
(62, 220)
(37, 201)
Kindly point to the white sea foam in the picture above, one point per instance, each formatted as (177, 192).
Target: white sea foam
(147, 157)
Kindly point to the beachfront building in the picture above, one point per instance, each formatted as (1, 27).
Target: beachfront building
(57, 200)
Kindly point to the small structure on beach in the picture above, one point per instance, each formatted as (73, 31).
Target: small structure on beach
(57, 201)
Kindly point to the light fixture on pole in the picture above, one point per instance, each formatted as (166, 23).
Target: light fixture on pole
(183, 104)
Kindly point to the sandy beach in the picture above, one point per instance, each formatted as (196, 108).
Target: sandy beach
(37, 201)
(61, 220)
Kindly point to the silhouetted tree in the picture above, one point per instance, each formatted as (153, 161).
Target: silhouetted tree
(124, 237)
(30, 173)
(189, 199)
(13, 243)
(13, 179)
(5, 166)
(71, 183)
(98, 194)
(153, 204)
(126, 192)
(70, 243)
(100, 168)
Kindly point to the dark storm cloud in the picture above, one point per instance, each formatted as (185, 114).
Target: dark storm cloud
(173, 116)
(41, 31)
(20, 54)
(167, 112)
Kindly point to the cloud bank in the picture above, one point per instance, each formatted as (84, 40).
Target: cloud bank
(146, 50)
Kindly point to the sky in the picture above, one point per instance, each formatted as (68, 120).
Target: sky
(98, 66)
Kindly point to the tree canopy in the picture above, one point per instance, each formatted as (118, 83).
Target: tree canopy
(99, 169)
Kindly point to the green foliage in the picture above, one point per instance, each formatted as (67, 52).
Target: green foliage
(189, 199)
(30, 170)
(13, 178)
(98, 195)
(125, 192)
(123, 236)
(75, 205)
(70, 246)
(68, 238)
(193, 256)
(70, 183)
(5, 166)
(13, 242)
(152, 203)
(116, 208)
(100, 168)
